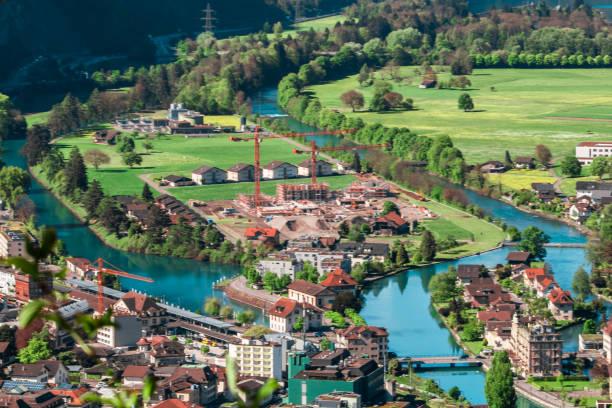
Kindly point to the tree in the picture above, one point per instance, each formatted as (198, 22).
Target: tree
(66, 357)
(599, 166)
(37, 144)
(226, 312)
(508, 160)
(146, 194)
(472, 331)
(325, 344)
(499, 383)
(465, 102)
(131, 159)
(589, 327)
(148, 145)
(343, 229)
(427, 250)
(570, 166)
(388, 207)
(270, 281)
(442, 286)
(543, 154)
(581, 284)
(461, 82)
(352, 99)
(298, 325)
(364, 75)
(96, 157)
(75, 173)
(401, 258)
(14, 182)
(454, 393)
(346, 300)
(92, 198)
(126, 144)
(246, 317)
(356, 165)
(110, 215)
(212, 306)
(533, 240)
(394, 99)
(37, 349)
(204, 349)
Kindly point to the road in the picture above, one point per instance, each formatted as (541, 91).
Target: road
(540, 397)
(157, 187)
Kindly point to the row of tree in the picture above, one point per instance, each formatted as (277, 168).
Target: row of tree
(552, 60)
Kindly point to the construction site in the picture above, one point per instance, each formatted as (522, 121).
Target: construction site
(313, 208)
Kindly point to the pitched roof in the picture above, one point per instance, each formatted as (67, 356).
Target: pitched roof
(338, 278)
(3, 346)
(543, 187)
(173, 178)
(283, 307)
(33, 370)
(139, 303)
(544, 281)
(595, 144)
(172, 403)
(135, 371)
(531, 273)
(306, 287)
(468, 271)
(204, 169)
(560, 296)
(265, 232)
(500, 316)
(196, 375)
(593, 185)
(518, 256)
(359, 331)
(523, 159)
(275, 164)
(394, 219)
(306, 163)
(240, 167)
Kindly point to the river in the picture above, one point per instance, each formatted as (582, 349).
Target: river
(400, 303)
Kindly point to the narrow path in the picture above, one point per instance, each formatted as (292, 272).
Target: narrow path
(558, 179)
(301, 146)
(146, 179)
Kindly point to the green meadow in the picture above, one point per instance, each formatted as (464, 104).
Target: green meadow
(515, 109)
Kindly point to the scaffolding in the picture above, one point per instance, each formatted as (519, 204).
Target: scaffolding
(299, 192)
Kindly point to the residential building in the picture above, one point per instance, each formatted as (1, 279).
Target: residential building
(176, 109)
(21, 398)
(7, 354)
(340, 281)
(12, 242)
(144, 307)
(194, 385)
(44, 371)
(523, 162)
(28, 288)
(177, 181)
(267, 236)
(325, 261)
(280, 265)
(134, 375)
(364, 251)
(392, 224)
(339, 399)
(358, 376)
(607, 340)
(208, 175)
(498, 327)
(580, 212)
(277, 170)
(492, 166)
(595, 190)
(587, 151)
(587, 342)
(529, 274)
(126, 332)
(241, 172)
(518, 257)
(537, 347)
(312, 293)
(544, 284)
(7, 280)
(286, 312)
(80, 267)
(185, 127)
(467, 273)
(484, 292)
(322, 168)
(257, 358)
(365, 341)
(161, 351)
(105, 136)
(545, 191)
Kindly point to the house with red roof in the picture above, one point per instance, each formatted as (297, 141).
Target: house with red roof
(160, 350)
(561, 304)
(392, 224)
(308, 292)
(364, 341)
(173, 403)
(544, 284)
(144, 307)
(196, 386)
(483, 294)
(71, 394)
(81, 267)
(134, 375)
(267, 236)
(529, 275)
(286, 312)
(498, 326)
(339, 281)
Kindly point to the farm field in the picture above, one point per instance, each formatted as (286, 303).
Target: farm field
(229, 191)
(172, 154)
(518, 179)
(515, 109)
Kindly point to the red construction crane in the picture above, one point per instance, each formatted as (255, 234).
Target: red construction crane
(117, 272)
(257, 138)
(314, 149)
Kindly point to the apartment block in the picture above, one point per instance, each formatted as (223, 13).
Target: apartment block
(257, 358)
(537, 347)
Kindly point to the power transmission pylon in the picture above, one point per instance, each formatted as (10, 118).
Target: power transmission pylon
(208, 19)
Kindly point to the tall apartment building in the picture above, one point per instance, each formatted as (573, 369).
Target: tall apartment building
(537, 346)
(365, 342)
(258, 358)
(587, 151)
(12, 242)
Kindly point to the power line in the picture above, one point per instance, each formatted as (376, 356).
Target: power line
(208, 19)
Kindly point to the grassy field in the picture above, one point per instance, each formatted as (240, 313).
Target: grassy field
(37, 118)
(229, 191)
(518, 179)
(567, 385)
(515, 115)
(173, 154)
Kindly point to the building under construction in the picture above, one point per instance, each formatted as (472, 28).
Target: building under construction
(299, 192)
(368, 189)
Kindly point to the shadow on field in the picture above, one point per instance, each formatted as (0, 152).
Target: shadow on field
(477, 110)
(113, 170)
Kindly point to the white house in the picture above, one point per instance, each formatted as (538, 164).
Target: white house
(322, 168)
(279, 170)
(587, 151)
(208, 175)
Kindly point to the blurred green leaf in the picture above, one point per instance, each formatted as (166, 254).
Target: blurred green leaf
(149, 388)
(29, 268)
(268, 389)
(48, 242)
(30, 312)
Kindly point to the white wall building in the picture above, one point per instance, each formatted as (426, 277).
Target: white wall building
(587, 151)
(257, 358)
